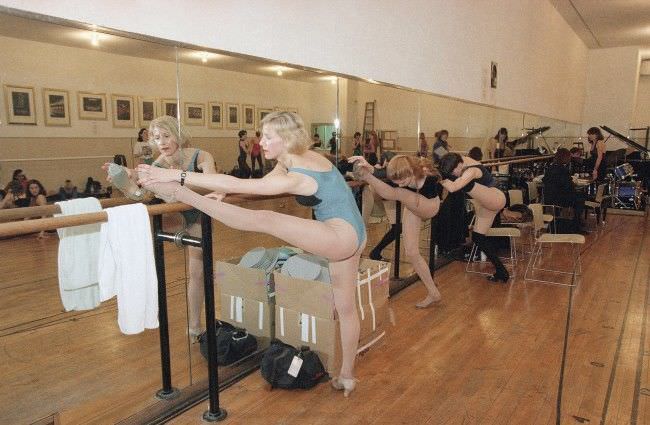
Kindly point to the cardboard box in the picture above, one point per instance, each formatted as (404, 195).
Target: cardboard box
(323, 335)
(316, 297)
(257, 317)
(253, 284)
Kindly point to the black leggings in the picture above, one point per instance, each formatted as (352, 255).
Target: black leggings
(257, 158)
(484, 244)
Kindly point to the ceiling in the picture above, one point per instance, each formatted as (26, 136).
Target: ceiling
(608, 23)
(34, 30)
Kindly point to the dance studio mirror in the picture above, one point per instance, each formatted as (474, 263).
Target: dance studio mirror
(82, 95)
(223, 100)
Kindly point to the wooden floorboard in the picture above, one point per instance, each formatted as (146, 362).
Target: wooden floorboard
(488, 354)
(492, 354)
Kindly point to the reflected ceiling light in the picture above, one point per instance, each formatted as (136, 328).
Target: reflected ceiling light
(94, 40)
(278, 73)
(333, 79)
(371, 81)
(204, 57)
(337, 123)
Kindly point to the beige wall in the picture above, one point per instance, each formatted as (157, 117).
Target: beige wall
(440, 46)
(91, 143)
(642, 109)
(611, 90)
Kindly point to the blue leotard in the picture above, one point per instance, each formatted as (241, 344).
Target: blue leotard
(333, 199)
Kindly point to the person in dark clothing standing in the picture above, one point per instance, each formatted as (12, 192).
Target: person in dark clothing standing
(244, 169)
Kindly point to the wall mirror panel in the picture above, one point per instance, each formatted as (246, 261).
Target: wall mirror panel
(73, 99)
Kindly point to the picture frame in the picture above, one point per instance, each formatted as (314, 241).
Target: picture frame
(169, 107)
(147, 110)
(123, 111)
(215, 114)
(493, 75)
(232, 115)
(248, 116)
(56, 107)
(20, 105)
(194, 113)
(286, 108)
(91, 106)
(261, 113)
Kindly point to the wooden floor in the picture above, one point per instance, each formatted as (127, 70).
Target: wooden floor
(492, 354)
(78, 364)
(489, 354)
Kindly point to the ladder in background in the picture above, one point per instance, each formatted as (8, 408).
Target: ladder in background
(369, 119)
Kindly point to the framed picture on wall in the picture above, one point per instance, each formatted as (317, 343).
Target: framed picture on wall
(147, 111)
(169, 107)
(194, 113)
(286, 108)
(123, 113)
(248, 115)
(91, 106)
(215, 114)
(232, 115)
(261, 113)
(20, 105)
(56, 107)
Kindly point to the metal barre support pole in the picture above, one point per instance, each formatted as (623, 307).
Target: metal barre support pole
(397, 231)
(214, 413)
(167, 392)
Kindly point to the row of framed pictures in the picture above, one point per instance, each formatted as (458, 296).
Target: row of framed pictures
(21, 109)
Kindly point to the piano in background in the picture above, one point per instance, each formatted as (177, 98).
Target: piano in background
(641, 166)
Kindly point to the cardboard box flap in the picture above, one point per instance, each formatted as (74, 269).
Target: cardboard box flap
(245, 282)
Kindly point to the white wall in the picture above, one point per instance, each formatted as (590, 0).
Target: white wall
(437, 46)
(611, 90)
(642, 109)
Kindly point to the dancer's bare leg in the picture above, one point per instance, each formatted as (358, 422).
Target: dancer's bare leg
(195, 293)
(409, 199)
(411, 225)
(344, 278)
(334, 239)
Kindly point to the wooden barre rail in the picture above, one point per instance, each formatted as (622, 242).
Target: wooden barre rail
(47, 210)
(23, 227)
(517, 160)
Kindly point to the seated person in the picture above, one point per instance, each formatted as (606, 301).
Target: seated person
(68, 191)
(476, 153)
(577, 165)
(559, 188)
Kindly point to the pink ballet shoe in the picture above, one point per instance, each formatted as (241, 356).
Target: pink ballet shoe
(346, 384)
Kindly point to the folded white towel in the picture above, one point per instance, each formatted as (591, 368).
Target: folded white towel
(127, 268)
(78, 254)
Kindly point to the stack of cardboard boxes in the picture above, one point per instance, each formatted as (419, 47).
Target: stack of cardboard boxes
(301, 312)
(305, 312)
(246, 299)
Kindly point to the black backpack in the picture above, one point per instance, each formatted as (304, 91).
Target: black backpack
(277, 361)
(232, 343)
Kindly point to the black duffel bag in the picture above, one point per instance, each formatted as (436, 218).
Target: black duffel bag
(306, 372)
(232, 343)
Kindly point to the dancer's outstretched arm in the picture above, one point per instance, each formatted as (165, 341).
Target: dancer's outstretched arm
(467, 176)
(274, 183)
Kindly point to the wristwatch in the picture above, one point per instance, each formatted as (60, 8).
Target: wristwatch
(183, 175)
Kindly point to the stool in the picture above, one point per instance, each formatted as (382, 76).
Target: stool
(547, 238)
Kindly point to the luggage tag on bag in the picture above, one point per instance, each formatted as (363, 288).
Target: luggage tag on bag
(296, 364)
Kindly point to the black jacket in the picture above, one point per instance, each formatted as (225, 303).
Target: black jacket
(558, 186)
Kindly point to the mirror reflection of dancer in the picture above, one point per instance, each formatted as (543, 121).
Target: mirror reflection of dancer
(419, 192)
(338, 233)
(470, 176)
(172, 141)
